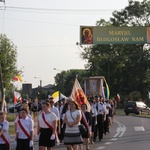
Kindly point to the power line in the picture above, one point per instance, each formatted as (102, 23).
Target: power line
(59, 11)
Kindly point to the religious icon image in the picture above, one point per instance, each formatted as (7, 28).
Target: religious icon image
(87, 35)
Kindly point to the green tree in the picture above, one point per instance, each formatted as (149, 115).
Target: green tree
(125, 67)
(65, 80)
(8, 59)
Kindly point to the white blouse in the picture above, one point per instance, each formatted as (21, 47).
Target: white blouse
(5, 125)
(75, 114)
(48, 117)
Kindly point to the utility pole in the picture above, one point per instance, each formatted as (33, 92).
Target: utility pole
(2, 88)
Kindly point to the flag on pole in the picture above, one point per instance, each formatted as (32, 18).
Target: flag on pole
(118, 97)
(57, 96)
(19, 77)
(107, 91)
(78, 95)
(17, 95)
(15, 78)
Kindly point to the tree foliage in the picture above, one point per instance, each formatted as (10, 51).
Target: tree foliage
(8, 59)
(126, 67)
(65, 80)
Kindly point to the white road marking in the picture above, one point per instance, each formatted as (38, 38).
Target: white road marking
(139, 128)
(119, 133)
(108, 143)
(120, 130)
(114, 139)
(123, 130)
(116, 134)
(101, 147)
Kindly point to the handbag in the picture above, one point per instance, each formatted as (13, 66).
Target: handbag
(82, 129)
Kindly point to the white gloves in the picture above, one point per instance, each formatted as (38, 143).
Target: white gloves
(52, 137)
(15, 144)
(31, 144)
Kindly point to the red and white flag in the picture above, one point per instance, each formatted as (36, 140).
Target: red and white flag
(118, 97)
(17, 95)
(78, 95)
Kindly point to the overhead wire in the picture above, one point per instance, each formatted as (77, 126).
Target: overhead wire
(59, 11)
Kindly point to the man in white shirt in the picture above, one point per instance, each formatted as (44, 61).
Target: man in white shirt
(101, 117)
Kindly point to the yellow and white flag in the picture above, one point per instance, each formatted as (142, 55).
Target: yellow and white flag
(57, 96)
(19, 77)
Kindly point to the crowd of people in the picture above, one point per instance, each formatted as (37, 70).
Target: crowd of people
(58, 123)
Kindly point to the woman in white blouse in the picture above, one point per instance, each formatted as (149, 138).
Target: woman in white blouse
(72, 118)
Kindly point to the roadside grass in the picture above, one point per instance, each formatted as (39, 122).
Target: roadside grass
(11, 130)
(11, 118)
(120, 111)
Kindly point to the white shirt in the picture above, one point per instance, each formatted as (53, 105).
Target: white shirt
(5, 125)
(101, 108)
(71, 117)
(61, 108)
(28, 125)
(17, 118)
(55, 111)
(48, 117)
(94, 111)
(108, 106)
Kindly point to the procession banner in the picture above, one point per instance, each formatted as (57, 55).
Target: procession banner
(78, 95)
(94, 86)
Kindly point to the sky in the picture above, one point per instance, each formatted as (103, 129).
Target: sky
(46, 32)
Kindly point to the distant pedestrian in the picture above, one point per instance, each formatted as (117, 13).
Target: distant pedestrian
(34, 108)
(86, 120)
(101, 117)
(93, 112)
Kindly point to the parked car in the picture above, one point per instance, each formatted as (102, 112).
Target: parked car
(14, 107)
(136, 107)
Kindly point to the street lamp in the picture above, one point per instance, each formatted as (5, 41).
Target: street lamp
(40, 80)
(40, 86)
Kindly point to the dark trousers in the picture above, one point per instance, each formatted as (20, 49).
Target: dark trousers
(61, 135)
(106, 124)
(4, 147)
(23, 144)
(99, 127)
